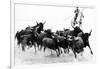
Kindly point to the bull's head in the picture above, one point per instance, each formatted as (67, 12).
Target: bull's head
(17, 34)
(44, 22)
(41, 22)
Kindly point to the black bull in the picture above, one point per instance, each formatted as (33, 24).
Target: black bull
(76, 45)
(51, 44)
(28, 37)
(80, 42)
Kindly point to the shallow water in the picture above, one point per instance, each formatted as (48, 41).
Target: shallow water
(30, 57)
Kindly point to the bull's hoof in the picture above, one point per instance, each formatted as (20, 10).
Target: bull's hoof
(58, 55)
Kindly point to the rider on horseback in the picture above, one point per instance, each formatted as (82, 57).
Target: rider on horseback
(77, 18)
(77, 11)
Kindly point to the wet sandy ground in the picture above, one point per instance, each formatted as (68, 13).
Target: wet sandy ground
(30, 57)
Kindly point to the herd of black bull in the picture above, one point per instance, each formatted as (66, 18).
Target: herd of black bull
(36, 36)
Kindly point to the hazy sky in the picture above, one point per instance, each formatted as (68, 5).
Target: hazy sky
(57, 18)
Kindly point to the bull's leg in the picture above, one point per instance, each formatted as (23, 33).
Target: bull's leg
(68, 49)
(44, 49)
(90, 49)
(28, 47)
(81, 53)
(18, 45)
(23, 48)
(57, 53)
(30, 44)
(40, 48)
(51, 52)
(60, 50)
(65, 50)
(75, 54)
(35, 48)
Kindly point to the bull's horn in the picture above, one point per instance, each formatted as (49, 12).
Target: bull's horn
(44, 22)
(90, 32)
(36, 22)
